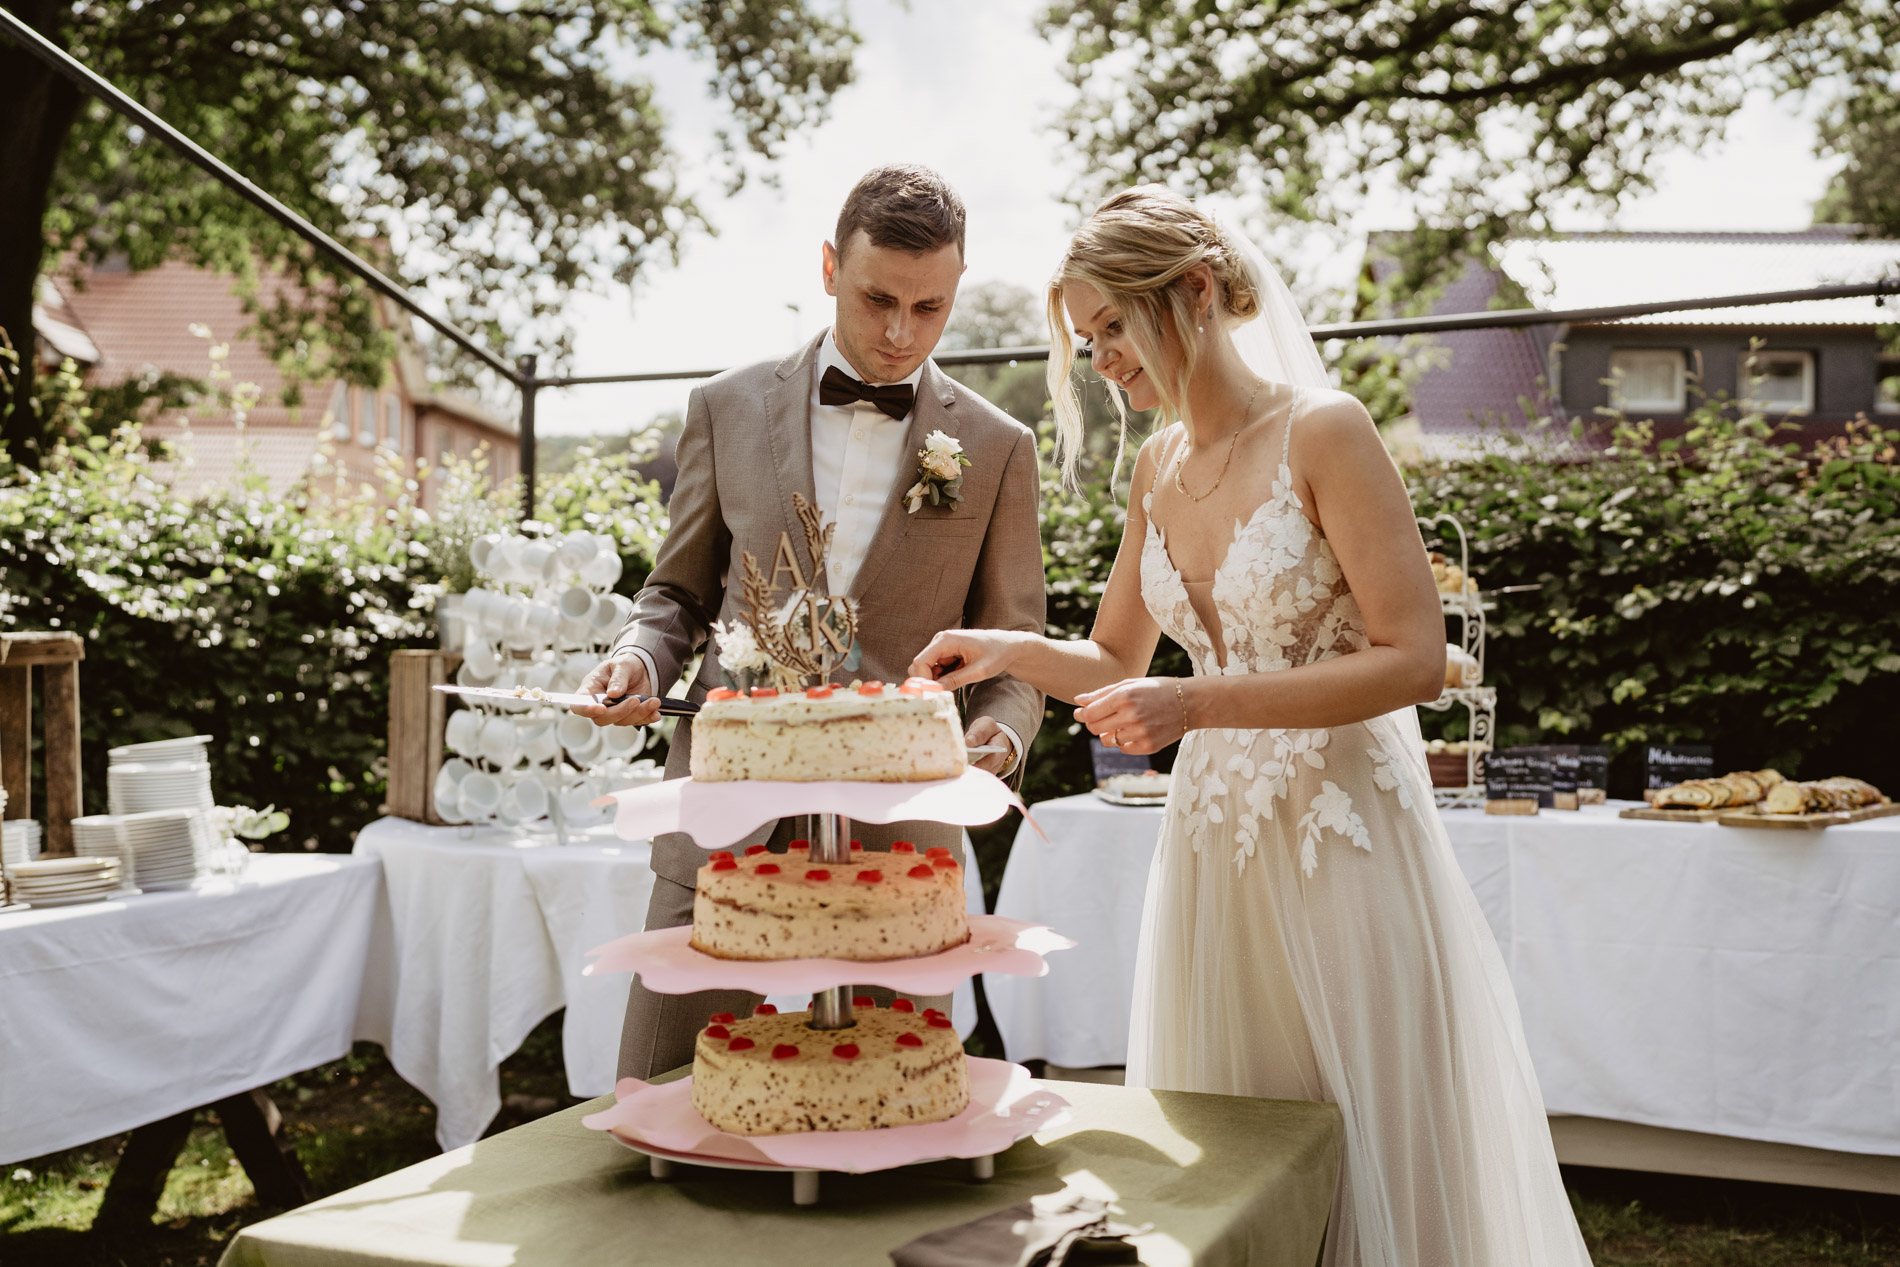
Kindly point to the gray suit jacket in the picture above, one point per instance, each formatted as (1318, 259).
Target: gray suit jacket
(746, 448)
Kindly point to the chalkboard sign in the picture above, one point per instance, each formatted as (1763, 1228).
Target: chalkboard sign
(1593, 766)
(1518, 774)
(1564, 760)
(1665, 765)
(1111, 761)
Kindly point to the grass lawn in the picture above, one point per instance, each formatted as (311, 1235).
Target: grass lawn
(355, 1119)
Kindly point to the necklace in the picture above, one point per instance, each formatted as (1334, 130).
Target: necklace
(1246, 411)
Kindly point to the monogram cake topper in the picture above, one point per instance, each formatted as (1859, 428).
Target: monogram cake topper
(810, 634)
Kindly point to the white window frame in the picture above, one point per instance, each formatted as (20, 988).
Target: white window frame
(1672, 404)
(1886, 365)
(363, 415)
(1751, 371)
(392, 421)
(340, 412)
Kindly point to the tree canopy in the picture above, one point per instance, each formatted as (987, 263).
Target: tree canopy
(499, 154)
(1486, 115)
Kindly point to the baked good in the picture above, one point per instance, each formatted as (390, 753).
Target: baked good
(1152, 786)
(869, 732)
(772, 1074)
(1821, 796)
(1461, 667)
(1744, 787)
(878, 906)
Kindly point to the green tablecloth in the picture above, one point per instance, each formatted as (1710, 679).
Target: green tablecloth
(1223, 1179)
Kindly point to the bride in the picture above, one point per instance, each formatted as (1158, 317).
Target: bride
(1307, 933)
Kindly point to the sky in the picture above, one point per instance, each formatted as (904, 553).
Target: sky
(971, 90)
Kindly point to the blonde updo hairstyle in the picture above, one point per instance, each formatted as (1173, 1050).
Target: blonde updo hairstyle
(1137, 249)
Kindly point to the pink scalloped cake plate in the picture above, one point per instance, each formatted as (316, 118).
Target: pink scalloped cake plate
(719, 814)
(668, 964)
(1005, 1105)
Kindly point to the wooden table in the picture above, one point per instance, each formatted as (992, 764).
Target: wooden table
(57, 656)
(1223, 1179)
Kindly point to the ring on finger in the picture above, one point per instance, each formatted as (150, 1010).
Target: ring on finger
(1111, 740)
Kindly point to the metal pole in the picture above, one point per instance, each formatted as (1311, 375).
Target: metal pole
(60, 60)
(530, 387)
(831, 844)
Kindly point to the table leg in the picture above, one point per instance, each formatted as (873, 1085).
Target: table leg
(139, 1178)
(59, 695)
(804, 1187)
(254, 1129)
(16, 740)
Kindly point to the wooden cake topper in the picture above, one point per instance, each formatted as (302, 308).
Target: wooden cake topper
(813, 633)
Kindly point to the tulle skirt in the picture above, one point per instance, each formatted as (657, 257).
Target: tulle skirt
(1373, 982)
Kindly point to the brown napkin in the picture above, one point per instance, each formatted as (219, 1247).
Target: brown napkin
(1063, 1229)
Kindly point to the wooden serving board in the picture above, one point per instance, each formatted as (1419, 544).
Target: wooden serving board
(1673, 815)
(1834, 818)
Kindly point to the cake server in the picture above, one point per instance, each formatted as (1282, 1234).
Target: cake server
(668, 707)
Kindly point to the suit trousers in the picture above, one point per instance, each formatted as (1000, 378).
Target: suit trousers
(660, 1029)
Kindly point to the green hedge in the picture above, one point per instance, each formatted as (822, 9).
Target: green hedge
(265, 621)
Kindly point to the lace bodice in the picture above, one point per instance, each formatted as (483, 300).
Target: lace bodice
(1281, 601)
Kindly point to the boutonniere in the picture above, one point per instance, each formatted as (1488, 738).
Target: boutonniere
(940, 466)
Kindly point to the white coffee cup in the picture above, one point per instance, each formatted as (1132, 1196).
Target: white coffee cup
(478, 655)
(446, 782)
(622, 741)
(498, 743)
(448, 807)
(540, 675)
(575, 804)
(540, 743)
(481, 794)
(577, 602)
(464, 732)
(603, 569)
(575, 633)
(580, 737)
(575, 668)
(543, 621)
(481, 551)
(579, 547)
(467, 676)
(530, 798)
(534, 558)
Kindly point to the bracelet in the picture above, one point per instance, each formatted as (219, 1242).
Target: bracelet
(1183, 698)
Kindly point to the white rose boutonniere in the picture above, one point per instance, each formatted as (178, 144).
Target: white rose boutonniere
(940, 466)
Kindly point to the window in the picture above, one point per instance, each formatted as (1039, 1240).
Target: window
(392, 421)
(1648, 378)
(363, 414)
(1887, 385)
(340, 412)
(1779, 382)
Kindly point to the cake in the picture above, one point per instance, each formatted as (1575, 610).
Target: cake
(869, 732)
(878, 906)
(772, 1074)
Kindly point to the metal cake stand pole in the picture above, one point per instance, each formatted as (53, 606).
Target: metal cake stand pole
(831, 845)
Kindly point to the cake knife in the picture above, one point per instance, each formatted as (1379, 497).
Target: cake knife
(668, 707)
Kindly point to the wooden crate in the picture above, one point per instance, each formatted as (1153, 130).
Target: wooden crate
(57, 656)
(417, 718)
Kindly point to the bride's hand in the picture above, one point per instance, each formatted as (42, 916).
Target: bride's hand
(1140, 715)
(958, 657)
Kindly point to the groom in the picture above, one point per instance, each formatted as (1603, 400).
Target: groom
(841, 421)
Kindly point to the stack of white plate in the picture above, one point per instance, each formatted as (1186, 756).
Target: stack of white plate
(137, 787)
(64, 881)
(19, 840)
(99, 836)
(166, 847)
(189, 750)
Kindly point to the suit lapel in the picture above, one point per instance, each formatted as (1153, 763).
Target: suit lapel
(935, 393)
(788, 427)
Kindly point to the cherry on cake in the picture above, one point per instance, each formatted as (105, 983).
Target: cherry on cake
(773, 1074)
(878, 906)
(868, 732)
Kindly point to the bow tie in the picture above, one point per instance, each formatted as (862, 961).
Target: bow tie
(839, 388)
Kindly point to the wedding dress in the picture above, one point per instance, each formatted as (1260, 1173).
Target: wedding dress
(1308, 935)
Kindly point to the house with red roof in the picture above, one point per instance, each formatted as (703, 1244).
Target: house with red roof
(122, 326)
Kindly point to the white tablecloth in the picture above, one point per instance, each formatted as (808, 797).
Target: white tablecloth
(1731, 981)
(484, 934)
(120, 1013)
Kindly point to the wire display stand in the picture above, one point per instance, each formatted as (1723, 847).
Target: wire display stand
(1479, 701)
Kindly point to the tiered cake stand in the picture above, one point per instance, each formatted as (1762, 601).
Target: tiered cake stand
(1480, 702)
(660, 1121)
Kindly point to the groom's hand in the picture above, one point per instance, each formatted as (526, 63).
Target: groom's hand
(984, 732)
(622, 675)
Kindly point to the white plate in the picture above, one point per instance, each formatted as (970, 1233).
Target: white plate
(1116, 798)
(77, 900)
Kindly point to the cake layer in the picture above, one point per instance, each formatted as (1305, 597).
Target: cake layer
(774, 1075)
(871, 734)
(896, 905)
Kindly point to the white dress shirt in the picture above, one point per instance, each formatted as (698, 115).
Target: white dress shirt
(856, 453)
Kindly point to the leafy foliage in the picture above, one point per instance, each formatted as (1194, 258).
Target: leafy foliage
(499, 155)
(263, 620)
(1489, 115)
(1865, 128)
